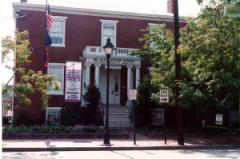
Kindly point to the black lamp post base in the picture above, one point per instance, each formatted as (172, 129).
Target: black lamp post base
(106, 138)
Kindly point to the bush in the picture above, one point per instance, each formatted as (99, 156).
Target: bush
(145, 102)
(70, 115)
(92, 98)
(50, 129)
(76, 115)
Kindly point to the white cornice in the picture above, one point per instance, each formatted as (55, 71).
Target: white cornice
(93, 12)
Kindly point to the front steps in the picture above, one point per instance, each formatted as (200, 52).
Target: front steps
(118, 116)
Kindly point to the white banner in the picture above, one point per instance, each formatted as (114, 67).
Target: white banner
(73, 81)
(133, 94)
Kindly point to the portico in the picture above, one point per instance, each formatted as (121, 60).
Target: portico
(124, 72)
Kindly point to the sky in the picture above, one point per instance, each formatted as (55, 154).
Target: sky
(157, 7)
(186, 8)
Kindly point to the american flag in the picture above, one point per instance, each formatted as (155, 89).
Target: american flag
(48, 40)
(49, 23)
(49, 18)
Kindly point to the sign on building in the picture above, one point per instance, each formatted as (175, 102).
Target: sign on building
(219, 119)
(73, 81)
(133, 94)
(164, 96)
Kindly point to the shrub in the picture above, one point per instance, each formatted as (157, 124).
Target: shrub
(92, 99)
(145, 102)
(92, 96)
(50, 129)
(76, 115)
(71, 115)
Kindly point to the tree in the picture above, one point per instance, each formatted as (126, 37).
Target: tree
(209, 47)
(159, 48)
(27, 81)
(92, 98)
(210, 50)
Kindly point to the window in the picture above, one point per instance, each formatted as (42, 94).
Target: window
(56, 70)
(57, 32)
(152, 27)
(109, 29)
(53, 116)
(116, 85)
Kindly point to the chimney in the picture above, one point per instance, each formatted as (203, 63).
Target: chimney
(23, 1)
(170, 6)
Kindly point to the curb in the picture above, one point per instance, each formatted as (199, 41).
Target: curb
(14, 149)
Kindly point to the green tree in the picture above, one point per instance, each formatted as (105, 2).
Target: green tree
(92, 98)
(209, 47)
(159, 48)
(27, 81)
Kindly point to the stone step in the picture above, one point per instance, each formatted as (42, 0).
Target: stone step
(118, 116)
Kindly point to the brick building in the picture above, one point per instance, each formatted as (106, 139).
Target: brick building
(78, 36)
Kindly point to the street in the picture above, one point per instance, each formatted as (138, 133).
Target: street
(138, 154)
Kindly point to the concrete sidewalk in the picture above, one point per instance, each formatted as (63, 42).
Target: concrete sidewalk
(143, 143)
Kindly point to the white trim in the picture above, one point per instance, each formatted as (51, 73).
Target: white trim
(61, 92)
(109, 21)
(63, 20)
(95, 12)
(114, 23)
(54, 108)
(59, 17)
(113, 67)
(153, 25)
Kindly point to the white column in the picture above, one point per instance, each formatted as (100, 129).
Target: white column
(87, 74)
(128, 79)
(137, 76)
(97, 75)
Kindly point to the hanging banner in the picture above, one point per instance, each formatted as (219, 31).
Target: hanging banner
(133, 94)
(73, 81)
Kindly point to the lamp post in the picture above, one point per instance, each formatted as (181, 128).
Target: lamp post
(178, 75)
(108, 49)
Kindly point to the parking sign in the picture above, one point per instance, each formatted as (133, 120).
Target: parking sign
(164, 96)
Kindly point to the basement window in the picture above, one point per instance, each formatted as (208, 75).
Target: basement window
(53, 116)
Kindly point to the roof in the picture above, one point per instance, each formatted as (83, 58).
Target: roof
(94, 12)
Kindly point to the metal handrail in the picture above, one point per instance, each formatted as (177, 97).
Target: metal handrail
(101, 108)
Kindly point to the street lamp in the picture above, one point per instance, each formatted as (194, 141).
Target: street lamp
(108, 49)
(178, 75)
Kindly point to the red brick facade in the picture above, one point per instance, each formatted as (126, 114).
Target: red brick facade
(81, 30)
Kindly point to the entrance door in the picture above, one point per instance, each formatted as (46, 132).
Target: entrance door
(114, 86)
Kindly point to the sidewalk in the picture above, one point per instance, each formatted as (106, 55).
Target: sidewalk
(143, 143)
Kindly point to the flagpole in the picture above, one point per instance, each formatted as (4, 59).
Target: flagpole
(44, 54)
(45, 36)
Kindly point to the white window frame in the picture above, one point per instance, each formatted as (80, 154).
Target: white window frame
(52, 108)
(57, 92)
(151, 26)
(62, 19)
(114, 23)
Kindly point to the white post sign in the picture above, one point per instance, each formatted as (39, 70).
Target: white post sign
(219, 119)
(73, 81)
(133, 94)
(164, 96)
